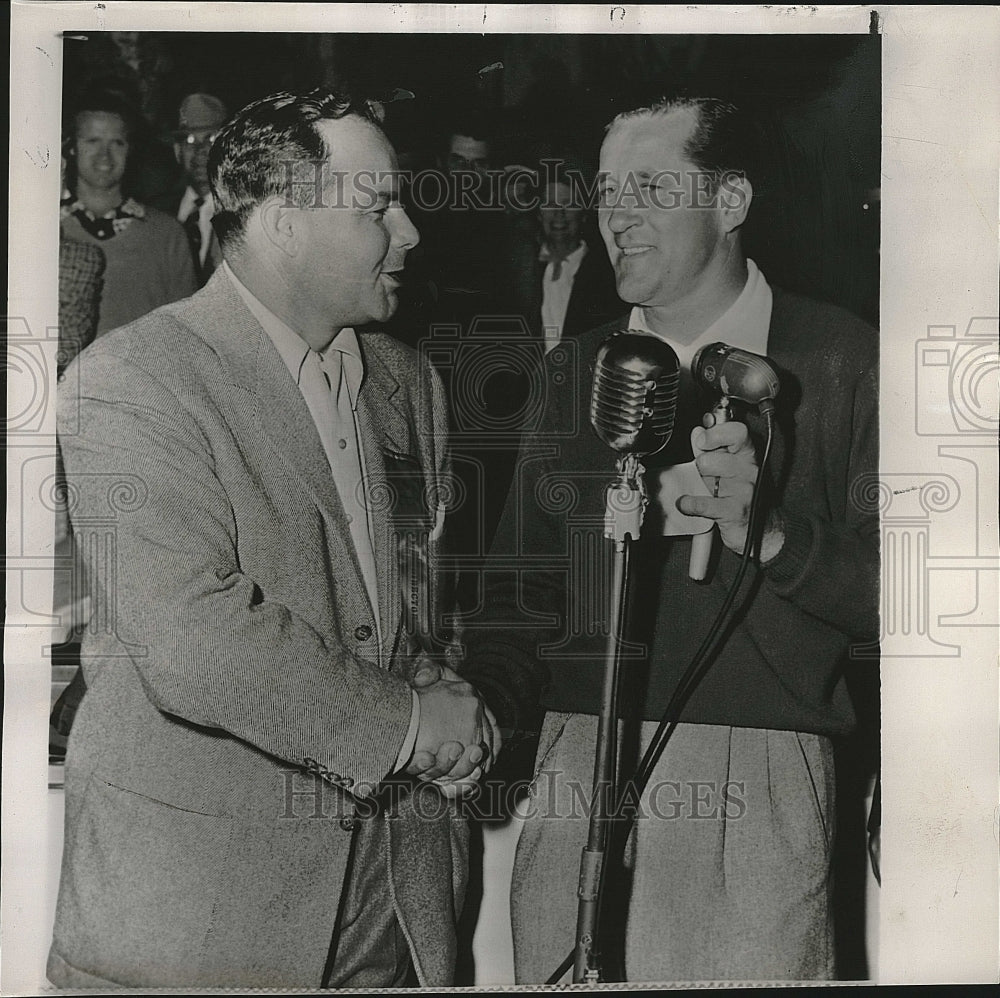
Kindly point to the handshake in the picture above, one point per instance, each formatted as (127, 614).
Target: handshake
(458, 738)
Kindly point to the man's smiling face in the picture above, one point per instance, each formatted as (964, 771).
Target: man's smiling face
(661, 243)
(357, 242)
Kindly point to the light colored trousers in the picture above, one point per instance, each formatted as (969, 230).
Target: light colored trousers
(730, 856)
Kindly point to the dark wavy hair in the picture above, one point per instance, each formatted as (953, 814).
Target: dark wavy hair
(267, 144)
(722, 141)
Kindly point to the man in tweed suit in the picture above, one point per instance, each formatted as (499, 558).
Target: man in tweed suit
(260, 779)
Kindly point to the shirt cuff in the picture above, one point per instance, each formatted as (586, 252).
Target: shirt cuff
(411, 735)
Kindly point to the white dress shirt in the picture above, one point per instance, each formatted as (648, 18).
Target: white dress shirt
(334, 411)
(744, 324)
(556, 293)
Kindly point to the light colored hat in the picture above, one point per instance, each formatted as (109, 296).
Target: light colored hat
(200, 112)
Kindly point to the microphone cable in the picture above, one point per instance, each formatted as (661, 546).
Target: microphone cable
(702, 660)
(692, 676)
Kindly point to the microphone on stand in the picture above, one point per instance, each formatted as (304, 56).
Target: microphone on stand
(734, 374)
(634, 399)
(632, 408)
(633, 404)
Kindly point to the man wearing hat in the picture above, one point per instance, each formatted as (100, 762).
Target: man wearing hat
(201, 116)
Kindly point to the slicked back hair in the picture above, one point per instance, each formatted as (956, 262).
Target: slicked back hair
(720, 144)
(273, 148)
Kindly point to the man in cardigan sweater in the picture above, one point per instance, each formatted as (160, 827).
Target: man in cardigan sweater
(729, 864)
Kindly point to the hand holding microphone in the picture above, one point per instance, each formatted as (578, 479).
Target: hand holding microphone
(633, 408)
(727, 461)
(725, 454)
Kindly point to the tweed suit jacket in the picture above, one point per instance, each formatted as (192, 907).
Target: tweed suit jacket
(239, 717)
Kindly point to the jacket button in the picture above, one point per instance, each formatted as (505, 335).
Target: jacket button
(347, 824)
(363, 632)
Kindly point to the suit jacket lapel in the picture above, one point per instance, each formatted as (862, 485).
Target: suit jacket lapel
(282, 416)
(593, 299)
(579, 298)
(383, 428)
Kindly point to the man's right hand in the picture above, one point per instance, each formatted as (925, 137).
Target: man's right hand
(455, 735)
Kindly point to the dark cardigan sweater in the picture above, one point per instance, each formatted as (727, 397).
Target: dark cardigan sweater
(538, 638)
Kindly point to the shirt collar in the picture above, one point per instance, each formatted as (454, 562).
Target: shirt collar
(129, 208)
(744, 324)
(293, 349)
(189, 200)
(187, 203)
(545, 254)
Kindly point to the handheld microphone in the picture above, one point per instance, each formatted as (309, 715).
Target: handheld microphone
(737, 374)
(634, 397)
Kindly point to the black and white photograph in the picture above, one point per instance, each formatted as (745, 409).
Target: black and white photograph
(501, 497)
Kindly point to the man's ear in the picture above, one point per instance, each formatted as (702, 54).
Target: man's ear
(177, 153)
(734, 196)
(277, 221)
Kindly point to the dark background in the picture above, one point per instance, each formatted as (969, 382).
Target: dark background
(814, 227)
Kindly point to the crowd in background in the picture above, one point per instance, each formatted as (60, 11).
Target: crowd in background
(507, 156)
(520, 100)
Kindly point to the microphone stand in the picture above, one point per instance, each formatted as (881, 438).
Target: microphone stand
(626, 503)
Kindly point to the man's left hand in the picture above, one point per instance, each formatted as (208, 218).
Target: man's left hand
(727, 462)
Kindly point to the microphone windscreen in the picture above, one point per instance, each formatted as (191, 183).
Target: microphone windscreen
(633, 402)
(736, 373)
